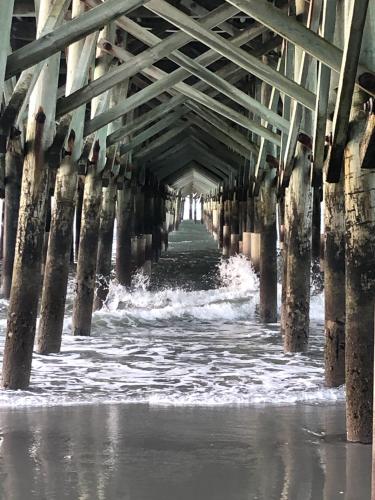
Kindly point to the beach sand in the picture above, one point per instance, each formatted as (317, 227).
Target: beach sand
(142, 452)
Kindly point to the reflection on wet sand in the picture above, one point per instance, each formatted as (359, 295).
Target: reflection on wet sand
(138, 452)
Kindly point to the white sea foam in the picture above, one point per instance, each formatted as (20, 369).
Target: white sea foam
(176, 346)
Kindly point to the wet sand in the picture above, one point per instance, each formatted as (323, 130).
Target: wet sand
(140, 452)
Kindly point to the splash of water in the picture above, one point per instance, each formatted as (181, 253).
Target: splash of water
(235, 299)
(175, 346)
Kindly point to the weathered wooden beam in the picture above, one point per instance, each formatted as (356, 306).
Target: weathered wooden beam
(304, 76)
(70, 32)
(194, 152)
(16, 106)
(200, 11)
(13, 176)
(158, 87)
(222, 126)
(220, 136)
(237, 55)
(229, 70)
(149, 132)
(74, 122)
(348, 73)
(6, 11)
(205, 101)
(152, 148)
(303, 37)
(206, 140)
(141, 121)
(168, 148)
(322, 95)
(205, 152)
(139, 62)
(202, 99)
(262, 156)
(208, 179)
(184, 164)
(208, 76)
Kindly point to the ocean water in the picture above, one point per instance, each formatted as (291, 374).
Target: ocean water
(189, 336)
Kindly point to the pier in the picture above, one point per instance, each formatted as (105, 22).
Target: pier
(246, 127)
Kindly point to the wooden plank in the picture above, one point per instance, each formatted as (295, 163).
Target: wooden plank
(297, 33)
(322, 95)
(65, 35)
(348, 73)
(237, 55)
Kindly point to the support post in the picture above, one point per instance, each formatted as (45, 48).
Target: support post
(123, 243)
(23, 305)
(88, 247)
(106, 227)
(13, 175)
(298, 259)
(57, 262)
(360, 286)
(334, 283)
(268, 257)
(359, 261)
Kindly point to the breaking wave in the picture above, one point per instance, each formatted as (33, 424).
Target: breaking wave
(177, 346)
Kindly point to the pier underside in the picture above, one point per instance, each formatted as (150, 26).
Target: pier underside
(203, 169)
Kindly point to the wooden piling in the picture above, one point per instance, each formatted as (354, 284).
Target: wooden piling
(234, 226)
(360, 284)
(227, 227)
(316, 223)
(298, 260)
(106, 229)
(267, 253)
(123, 242)
(334, 283)
(13, 176)
(59, 245)
(87, 254)
(78, 214)
(23, 304)
(57, 262)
